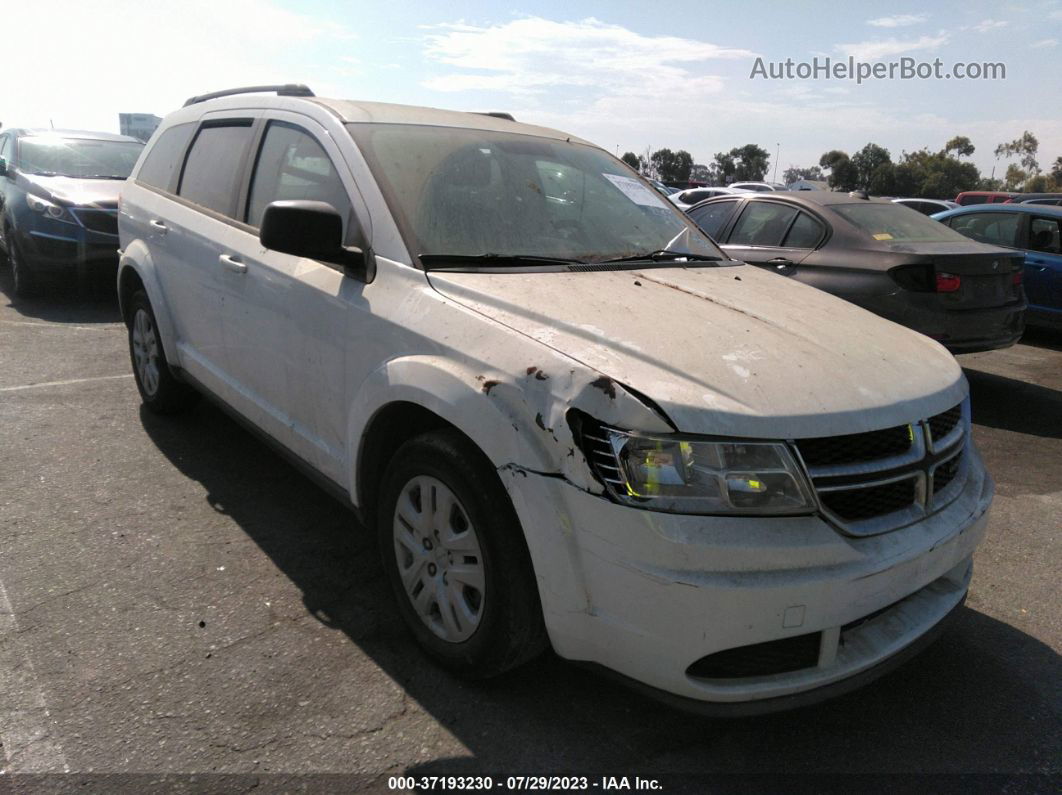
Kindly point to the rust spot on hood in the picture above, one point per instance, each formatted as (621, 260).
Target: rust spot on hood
(489, 385)
(535, 371)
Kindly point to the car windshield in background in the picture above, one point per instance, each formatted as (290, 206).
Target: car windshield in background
(469, 193)
(55, 156)
(894, 223)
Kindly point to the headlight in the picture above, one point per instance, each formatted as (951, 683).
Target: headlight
(691, 475)
(37, 204)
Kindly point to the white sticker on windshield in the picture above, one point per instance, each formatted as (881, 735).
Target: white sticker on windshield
(635, 190)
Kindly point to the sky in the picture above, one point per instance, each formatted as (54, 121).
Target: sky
(625, 75)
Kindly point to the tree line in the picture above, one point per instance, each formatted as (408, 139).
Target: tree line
(922, 174)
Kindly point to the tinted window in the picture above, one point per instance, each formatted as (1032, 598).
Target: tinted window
(762, 224)
(999, 229)
(712, 217)
(1044, 235)
(804, 233)
(893, 223)
(292, 165)
(974, 200)
(212, 171)
(3, 145)
(163, 160)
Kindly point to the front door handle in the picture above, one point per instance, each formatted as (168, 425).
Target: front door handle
(158, 226)
(780, 262)
(232, 264)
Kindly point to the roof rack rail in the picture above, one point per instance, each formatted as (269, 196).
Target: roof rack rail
(286, 90)
(497, 114)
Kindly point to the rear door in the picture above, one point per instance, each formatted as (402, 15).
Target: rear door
(1043, 264)
(194, 228)
(773, 235)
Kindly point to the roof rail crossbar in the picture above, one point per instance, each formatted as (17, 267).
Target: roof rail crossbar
(285, 90)
(497, 114)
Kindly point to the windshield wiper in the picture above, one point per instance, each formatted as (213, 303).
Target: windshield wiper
(663, 255)
(494, 260)
(101, 176)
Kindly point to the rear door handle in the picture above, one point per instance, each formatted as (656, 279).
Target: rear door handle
(232, 264)
(780, 262)
(158, 226)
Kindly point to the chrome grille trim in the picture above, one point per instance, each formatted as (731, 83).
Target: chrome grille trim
(921, 463)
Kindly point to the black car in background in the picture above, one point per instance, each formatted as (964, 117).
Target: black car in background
(59, 202)
(885, 257)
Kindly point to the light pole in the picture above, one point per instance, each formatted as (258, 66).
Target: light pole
(777, 149)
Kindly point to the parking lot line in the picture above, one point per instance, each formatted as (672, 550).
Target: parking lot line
(44, 384)
(25, 721)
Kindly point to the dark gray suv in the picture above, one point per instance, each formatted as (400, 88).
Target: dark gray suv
(59, 202)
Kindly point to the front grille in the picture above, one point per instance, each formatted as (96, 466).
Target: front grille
(597, 449)
(869, 483)
(104, 221)
(855, 448)
(760, 659)
(858, 504)
(940, 425)
(944, 474)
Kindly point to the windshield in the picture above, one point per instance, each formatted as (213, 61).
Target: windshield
(895, 223)
(55, 156)
(471, 193)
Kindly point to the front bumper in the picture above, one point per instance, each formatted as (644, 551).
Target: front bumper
(55, 248)
(648, 595)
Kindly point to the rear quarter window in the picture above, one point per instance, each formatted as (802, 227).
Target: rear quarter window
(162, 162)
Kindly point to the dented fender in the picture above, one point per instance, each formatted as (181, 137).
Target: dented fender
(515, 415)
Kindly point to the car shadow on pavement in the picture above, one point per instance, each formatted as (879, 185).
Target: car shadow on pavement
(1012, 405)
(92, 302)
(982, 698)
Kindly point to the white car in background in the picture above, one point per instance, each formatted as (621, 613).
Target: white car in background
(684, 199)
(757, 186)
(569, 418)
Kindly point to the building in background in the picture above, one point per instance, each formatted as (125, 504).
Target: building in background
(138, 125)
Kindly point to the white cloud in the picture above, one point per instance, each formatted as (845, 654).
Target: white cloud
(1055, 16)
(1037, 45)
(898, 21)
(986, 25)
(532, 55)
(87, 64)
(883, 48)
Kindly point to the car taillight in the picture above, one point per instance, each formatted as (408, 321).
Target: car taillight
(1017, 276)
(948, 282)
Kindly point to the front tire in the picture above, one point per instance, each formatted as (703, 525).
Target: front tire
(25, 282)
(455, 555)
(161, 392)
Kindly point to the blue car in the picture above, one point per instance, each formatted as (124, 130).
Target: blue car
(1035, 229)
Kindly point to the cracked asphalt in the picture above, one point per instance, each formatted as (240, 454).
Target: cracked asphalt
(175, 600)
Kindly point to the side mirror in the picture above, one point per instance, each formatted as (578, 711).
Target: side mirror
(315, 230)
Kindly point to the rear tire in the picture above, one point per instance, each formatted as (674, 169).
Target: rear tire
(161, 392)
(455, 555)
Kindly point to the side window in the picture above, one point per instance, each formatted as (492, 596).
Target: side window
(1000, 229)
(804, 233)
(762, 224)
(292, 165)
(163, 160)
(712, 217)
(3, 145)
(212, 171)
(1044, 235)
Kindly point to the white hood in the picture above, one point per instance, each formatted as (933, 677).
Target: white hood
(726, 350)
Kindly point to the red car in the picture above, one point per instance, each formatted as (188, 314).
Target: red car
(984, 197)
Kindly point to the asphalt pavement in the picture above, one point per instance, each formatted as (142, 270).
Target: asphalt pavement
(179, 605)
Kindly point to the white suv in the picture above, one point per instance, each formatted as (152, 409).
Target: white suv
(570, 419)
